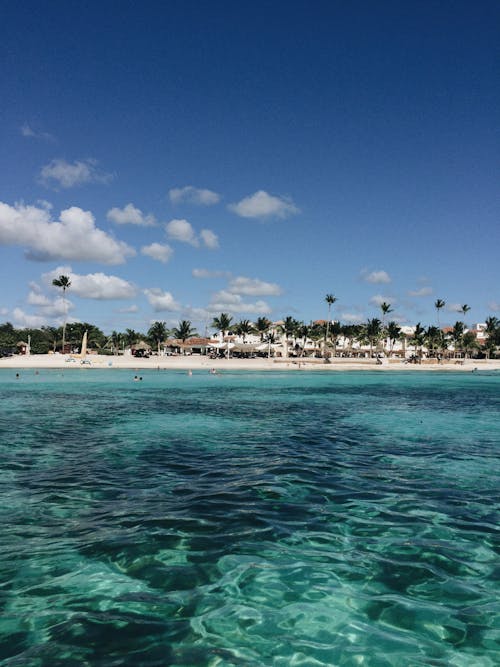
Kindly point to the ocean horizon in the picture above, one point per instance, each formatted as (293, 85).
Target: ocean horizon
(249, 518)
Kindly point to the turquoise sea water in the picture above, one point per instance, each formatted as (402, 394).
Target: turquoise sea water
(284, 519)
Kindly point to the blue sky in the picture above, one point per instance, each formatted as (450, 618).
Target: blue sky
(179, 159)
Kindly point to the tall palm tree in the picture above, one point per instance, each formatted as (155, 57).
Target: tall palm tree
(465, 309)
(438, 304)
(64, 283)
(157, 333)
(184, 330)
(330, 300)
(386, 309)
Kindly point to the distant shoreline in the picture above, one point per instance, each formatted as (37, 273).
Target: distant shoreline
(196, 362)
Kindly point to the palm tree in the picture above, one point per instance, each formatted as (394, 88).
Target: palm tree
(316, 333)
(438, 304)
(114, 340)
(222, 324)
(335, 333)
(262, 326)
(270, 339)
(52, 335)
(288, 328)
(373, 332)
(418, 338)
(244, 328)
(330, 300)
(130, 337)
(434, 339)
(465, 309)
(303, 333)
(386, 309)
(393, 332)
(157, 333)
(184, 331)
(493, 334)
(469, 343)
(65, 283)
(350, 332)
(456, 335)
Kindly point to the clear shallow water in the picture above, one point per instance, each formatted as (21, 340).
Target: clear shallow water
(284, 519)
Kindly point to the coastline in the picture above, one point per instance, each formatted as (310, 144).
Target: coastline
(196, 362)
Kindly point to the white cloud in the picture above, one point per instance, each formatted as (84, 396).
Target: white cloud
(376, 277)
(102, 287)
(422, 291)
(227, 301)
(45, 306)
(129, 309)
(192, 195)
(99, 286)
(494, 306)
(377, 299)
(56, 308)
(253, 287)
(181, 230)
(29, 132)
(130, 215)
(352, 318)
(205, 273)
(23, 320)
(197, 314)
(73, 237)
(162, 252)
(209, 238)
(67, 175)
(263, 205)
(4, 311)
(453, 307)
(161, 300)
(38, 299)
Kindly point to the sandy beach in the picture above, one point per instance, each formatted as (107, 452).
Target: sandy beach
(197, 362)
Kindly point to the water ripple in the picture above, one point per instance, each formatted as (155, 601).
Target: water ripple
(266, 519)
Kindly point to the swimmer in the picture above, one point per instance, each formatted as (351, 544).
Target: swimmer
(190, 372)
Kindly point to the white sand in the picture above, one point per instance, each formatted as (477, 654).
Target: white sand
(196, 362)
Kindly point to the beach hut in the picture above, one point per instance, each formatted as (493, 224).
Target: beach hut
(22, 347)
(197, 345)
(140, 349)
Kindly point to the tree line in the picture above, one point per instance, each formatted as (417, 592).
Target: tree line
(294, 334)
